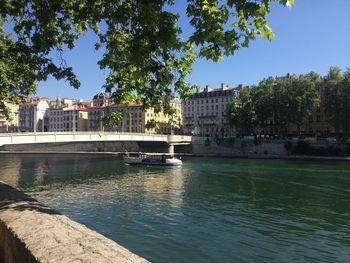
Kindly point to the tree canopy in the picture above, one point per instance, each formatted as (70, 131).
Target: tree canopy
(337, 99)
(145, 52)
(241, 112)
(283, 101)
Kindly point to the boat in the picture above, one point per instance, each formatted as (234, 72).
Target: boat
(153, 159)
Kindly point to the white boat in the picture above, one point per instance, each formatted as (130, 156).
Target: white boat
(153, 159)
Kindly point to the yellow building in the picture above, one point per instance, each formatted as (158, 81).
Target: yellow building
(135, 118)
(11, 124)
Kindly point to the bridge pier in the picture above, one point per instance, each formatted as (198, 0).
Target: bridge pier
(171, 149)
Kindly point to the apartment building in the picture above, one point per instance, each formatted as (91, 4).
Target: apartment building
(11, 124)
(135, 117)
(31, 115)
(205, 112)
(75, 119)
(54, 120)
(101, 99)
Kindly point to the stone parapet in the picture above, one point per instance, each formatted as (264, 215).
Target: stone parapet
(32, 232)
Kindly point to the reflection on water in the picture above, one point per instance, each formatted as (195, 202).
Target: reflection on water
(209, 210)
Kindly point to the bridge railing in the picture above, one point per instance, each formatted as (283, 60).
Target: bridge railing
(47, 137)
(179, 139)
(56, 137)
(78, 132)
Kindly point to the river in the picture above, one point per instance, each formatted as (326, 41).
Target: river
(208, 210)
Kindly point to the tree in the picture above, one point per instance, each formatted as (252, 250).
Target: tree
(302, 98)
(263, 101)
(241, 112)
(286, 101)
(337, 99)
(145, 53)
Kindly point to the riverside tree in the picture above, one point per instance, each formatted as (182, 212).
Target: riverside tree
(285, 101)
(337, 99)
(145, 53)
(241, 112)
(301, 99)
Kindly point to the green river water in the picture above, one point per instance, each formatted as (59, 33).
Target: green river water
(208, 210)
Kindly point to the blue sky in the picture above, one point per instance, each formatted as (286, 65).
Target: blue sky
(312, 35)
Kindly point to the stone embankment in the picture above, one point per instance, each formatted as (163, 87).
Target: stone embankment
(32, 232)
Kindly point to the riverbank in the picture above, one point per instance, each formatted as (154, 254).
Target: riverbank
(32, 232)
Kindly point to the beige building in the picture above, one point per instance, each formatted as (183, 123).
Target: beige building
(135, 119)
(75, 119)
(205, 112)
(11, 124)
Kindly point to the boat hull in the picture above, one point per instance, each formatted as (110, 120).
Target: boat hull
(156, 162)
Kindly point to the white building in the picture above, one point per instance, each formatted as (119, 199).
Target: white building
(31, 115)
(205, 112)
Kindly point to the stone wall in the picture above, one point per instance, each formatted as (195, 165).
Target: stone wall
(89, 147)
(249, 148)
(32, 232)
(235, 147)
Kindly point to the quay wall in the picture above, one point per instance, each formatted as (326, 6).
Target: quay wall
(200, 146)
(249, 148)
(88, 147)
(33, 233)
(236, 147)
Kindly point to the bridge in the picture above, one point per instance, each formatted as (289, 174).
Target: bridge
(57, 137)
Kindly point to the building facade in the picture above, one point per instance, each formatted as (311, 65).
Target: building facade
(135, 119)
(11, 124)
(205, 112)
(75, 119)
(54, 120)
(31, 115)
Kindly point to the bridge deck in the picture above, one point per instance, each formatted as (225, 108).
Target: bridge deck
(47, 137)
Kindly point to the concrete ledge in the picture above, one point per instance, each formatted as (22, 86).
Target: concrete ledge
(32, 232)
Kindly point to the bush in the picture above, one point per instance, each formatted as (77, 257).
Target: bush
(347, 149)
(333, 150)
(207, 142)
(288, 146)
(244, 144)
(303, 147)
(321, 151)
(256, 141)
